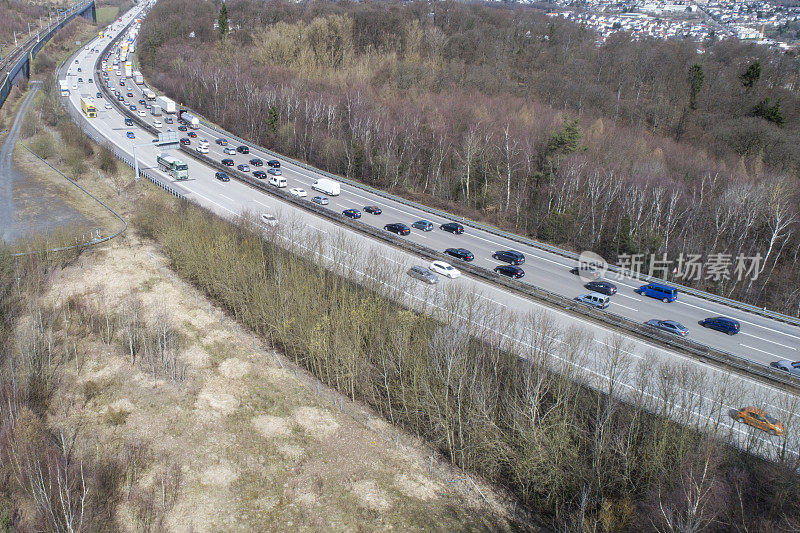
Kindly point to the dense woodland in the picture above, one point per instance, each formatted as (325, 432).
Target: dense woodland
(503, 114)
(14, 18)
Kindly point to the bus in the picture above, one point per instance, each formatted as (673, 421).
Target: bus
(88, 108)
(173, 166)
(64, 86)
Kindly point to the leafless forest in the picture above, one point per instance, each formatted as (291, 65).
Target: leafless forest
(505, 115)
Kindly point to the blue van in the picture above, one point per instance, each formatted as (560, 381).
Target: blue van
(662, 292)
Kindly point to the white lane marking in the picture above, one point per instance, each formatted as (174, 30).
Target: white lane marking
(260, 203)
(767, 340)
(227, 197)
(756, 349)
(625, 306)
(627, 296)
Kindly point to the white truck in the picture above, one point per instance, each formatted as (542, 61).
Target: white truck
(329, 187)
(190, 120)
(150, 95)
(128, 70)
(138, 79)
(167, 104)
(64, 86)
(156, 110)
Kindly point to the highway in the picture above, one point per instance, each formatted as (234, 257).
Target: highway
(506, 313)
(761, 339)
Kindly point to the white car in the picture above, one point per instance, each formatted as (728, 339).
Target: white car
(269, 220)
(203, 143)
(141, 113)
(108, 106)
(300, 193)
(202, 149)
(229, 150)
(158, 124)
(445, 269)
(74, 86)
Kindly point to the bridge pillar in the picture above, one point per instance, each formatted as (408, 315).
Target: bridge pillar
(89, 13)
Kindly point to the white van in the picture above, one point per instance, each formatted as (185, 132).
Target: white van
(278, 181)
(594, 299)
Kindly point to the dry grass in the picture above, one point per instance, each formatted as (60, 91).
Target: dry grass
(256, 446)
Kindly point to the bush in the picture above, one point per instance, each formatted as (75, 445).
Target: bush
(43, 145)
(108, 162)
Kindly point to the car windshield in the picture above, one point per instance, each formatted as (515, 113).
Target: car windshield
(770, 419)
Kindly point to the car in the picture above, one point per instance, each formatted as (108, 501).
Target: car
(274, 171)
(424, 225)
(792, 367)
(721, 323)
(670, 326)
(300, 193)
(89, 80)
(157, 124)
(398, 228)
(445, 269)
(452, 227)
(201, 149)
(129, 94)
(192, 134)
(242, 149)
(79, 68)
(108, 106)
(202, 142)
(243, 167)
(74, 86)
(141, 113)
(122, 83)
(256, 162)
(373, 209)
(274, 163)
(423, 274)
(182, 128)
(121, 99)
(227, 162)
(228, 150)
(142, 101)
(754, 417)
(659, 291)
(510, 271)
(130, 135)
(80, 80)
(132, 107)
(98, 95)
(321, 200)
(169, 120)
(221, 176)
(586, 271)
(222, 142)
(509, 256)
(268, 220)
(352, 213)
(603, 287)
(594, 299)
(185, 141)
(460, 253)
(260, 174)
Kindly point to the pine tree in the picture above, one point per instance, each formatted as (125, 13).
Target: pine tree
(223, 20)
(750, 76)
(696, 78)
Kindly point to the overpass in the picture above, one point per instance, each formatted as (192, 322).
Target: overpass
(17, 64)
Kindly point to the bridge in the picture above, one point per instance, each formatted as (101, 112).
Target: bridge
(16, 65)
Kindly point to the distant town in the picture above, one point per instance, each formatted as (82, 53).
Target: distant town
(771, 24)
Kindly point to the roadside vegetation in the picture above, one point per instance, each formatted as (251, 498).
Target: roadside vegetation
(505, 115)
(604, 461)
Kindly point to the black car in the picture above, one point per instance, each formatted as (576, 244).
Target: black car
(603, 287)
(373, 209)
(192, 134)
(227, 162)
(453, 227)
(128, 121)
(460, 253)
(352, 213)
(510, 270)
(185, 141)
(98, 95)
(274, 163)
(398, 228)
(509, 256)
(169, 120)
(143, 101)
(721, 323)
(182, 128)
(260, 174)
(129, 94)
(243, 149)
(221, 176)
(256, 162)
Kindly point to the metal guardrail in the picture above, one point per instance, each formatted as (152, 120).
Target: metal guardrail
(718, 357)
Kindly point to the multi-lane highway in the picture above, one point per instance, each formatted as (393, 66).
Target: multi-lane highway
(760, 339)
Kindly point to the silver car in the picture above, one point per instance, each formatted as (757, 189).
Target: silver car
(670, 326)
(787, 366)
(423, 274)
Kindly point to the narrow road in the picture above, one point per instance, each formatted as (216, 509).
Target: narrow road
(8, 174)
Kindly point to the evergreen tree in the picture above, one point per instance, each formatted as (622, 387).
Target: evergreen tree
(750, 76)
(696, 78)
(223, 26)
(769, 111)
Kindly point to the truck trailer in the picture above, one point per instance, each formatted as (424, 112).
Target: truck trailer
(329, 187)
(64, 86)
(190, 120)
(167, 105)
(138, 79)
